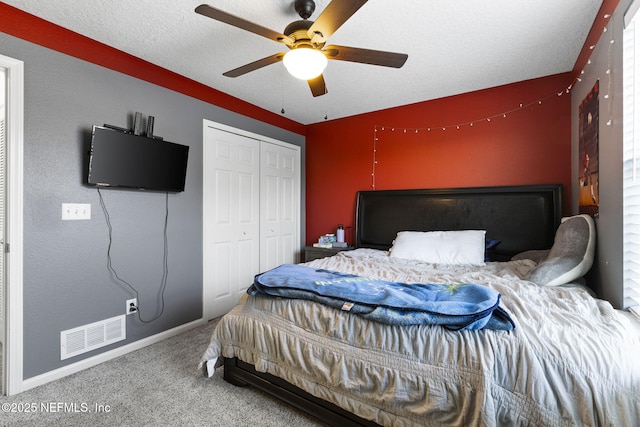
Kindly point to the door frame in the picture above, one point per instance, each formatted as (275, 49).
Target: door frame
(209, 123)
(13, 351)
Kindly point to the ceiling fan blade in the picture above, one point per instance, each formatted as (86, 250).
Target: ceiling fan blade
(365, 56)
(317, 85)
(332, 17)
(254, 65)
(236, 21)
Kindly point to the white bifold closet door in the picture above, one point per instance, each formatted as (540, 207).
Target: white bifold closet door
(279, 205)
(231, 218)
(251, 211)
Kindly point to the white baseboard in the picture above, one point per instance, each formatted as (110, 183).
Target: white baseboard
(81, 365)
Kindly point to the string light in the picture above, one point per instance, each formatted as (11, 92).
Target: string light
(458, 126)
(520, 107)
(375, 161)
(607, 95)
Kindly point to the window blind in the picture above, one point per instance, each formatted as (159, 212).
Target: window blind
(631, 165)
(631, 12)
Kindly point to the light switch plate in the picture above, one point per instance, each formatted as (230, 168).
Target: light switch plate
(76, 211)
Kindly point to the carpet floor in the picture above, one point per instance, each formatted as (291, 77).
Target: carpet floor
(158, 385)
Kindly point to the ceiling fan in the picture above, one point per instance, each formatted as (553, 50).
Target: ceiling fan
(306, 40)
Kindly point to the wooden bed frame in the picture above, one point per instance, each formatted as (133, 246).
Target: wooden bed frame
(521, 217)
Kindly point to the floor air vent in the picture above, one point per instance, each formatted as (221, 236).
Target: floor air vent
(89, 337)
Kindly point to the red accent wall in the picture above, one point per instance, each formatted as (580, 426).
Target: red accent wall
(531, 145)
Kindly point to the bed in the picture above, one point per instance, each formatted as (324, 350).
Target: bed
(570, 360)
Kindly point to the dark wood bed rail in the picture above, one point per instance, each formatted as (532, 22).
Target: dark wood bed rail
(242, 374)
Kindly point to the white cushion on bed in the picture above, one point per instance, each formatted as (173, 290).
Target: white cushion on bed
(441, 247)
(572, 253)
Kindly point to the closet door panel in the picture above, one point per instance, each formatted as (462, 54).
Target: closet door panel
(279, 201)
(231, 215)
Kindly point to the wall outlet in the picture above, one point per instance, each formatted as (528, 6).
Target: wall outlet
(132, 306)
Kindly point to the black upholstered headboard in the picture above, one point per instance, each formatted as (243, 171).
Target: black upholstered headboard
(521, 217)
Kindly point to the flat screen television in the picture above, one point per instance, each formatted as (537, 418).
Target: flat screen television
(121, 159)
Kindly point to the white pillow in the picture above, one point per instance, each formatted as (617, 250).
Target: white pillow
(441, 247)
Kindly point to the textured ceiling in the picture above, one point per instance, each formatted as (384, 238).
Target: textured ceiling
(454, 46)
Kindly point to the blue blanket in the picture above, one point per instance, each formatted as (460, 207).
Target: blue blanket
(454, 306)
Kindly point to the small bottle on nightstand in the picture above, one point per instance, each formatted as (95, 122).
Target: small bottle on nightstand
(340, 233)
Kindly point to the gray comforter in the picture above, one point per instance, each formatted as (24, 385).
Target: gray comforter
(571, 360)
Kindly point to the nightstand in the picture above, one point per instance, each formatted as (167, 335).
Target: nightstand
(311, 252)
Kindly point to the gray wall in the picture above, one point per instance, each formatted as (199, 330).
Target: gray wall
(607, 274)
(66, 281)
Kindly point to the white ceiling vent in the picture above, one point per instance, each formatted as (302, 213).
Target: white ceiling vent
(89, 337)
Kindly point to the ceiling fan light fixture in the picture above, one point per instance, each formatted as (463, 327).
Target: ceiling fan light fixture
(305, 63)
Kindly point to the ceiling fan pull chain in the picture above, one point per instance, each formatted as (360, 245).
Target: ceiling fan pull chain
(282, 89)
